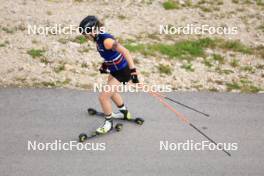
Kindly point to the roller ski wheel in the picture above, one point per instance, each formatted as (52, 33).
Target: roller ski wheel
(91, 111)
(139, 121)
(83, 137)
(119, 127)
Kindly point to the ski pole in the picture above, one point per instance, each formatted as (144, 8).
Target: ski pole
(179, 103)
(185, 120)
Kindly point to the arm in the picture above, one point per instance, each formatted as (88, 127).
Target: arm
(114, 45)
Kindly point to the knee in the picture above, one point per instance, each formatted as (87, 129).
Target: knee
(103, 97)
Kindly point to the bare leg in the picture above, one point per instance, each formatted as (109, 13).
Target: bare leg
(117, 99)
(105, 97)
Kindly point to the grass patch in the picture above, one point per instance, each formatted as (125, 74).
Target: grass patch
(79, 39)
(235, 1)
(234, 63)
(48, 84)
(165, 69)
(180, 49)
(260, 2)
(232, 86)
(189, 49)
(260, 51)
(235, 46)
(121, 17)
(7, 30)
(208, 62)
(260, 66)
(227, 71)
(49, 13)
(84, 65)
(244, 85)
(250, 89)
(261, 27)
(220, 59)
(45, 60)
(59, 68)
(170, 5)
(248, 68)
(84, 50)
(213, 89)
(2, 45)
(188, 67)
(36, 52)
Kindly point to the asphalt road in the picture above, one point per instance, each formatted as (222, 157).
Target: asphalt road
(46, 115)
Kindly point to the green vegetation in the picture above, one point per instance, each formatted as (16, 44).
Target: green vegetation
(244, 86)
(166, 69)
(260, 66)
(121, 17)
(260, 2)
(213, 89)
(261, 27)
(44, 60)
(235, 46)
(188, 67)
(178, 50)
(49, 12)
(2, 45)
(84, 65)
(7, 30)
(189, 48)
(34, 41)
(52, 84)
(170, 4)
(35, 52)
(79, 39)
(248, 68)
(59, 68)
(260, 51)
(218, 58)
(208, 62)
(84, 50)
(234, 63)
(232, 86)
(48, 84)
(209, 6)
(223, 71)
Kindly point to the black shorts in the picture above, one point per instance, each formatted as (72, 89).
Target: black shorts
(123, 75)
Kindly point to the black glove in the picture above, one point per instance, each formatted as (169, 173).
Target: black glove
(103, 68)
(134, 76)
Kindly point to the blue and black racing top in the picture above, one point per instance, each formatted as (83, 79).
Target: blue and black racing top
(114, 60)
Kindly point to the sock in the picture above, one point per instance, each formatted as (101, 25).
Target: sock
(108, 117)
(122, 107)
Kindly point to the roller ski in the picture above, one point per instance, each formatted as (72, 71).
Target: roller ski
(106, 128)
(121, 115)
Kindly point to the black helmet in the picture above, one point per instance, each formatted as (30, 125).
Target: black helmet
(87, 24)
